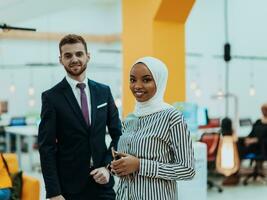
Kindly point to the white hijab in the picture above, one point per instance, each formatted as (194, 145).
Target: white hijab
(159, 72)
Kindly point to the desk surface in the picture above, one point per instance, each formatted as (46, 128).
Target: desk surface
(23, 130)
(242, 131)
(4, 122)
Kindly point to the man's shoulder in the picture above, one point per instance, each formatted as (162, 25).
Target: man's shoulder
(56, 87)
(258, 121)
(98, 85)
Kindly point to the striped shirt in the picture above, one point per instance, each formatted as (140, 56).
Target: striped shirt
(162, 143)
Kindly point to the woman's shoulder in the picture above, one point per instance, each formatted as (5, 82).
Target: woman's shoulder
(173, 113)
(129, 118)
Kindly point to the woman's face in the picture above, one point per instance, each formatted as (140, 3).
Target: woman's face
(142, 83)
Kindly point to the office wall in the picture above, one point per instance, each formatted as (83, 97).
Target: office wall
(247, 34)
(204, 36)
(104, 66)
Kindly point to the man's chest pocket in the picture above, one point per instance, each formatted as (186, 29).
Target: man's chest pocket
(101, 111)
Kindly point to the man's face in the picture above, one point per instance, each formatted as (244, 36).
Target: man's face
(74, 58)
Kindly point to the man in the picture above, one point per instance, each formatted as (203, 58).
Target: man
(74, 117)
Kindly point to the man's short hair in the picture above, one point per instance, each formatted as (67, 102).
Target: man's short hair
(72, 39)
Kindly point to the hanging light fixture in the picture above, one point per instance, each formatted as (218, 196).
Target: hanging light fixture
(31, 91)
(252, 91)
(31, 102)
(198, 92)
(220, 94)
(193, 85)
(12, 88)
(192, 81)
(196, 86)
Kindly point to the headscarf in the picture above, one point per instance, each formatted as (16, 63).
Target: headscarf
(156, 103)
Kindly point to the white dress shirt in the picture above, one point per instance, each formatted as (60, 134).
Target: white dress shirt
(77, 93)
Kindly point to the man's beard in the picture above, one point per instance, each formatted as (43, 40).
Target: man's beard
(78, 73)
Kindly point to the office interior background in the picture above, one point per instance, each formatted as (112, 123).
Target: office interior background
(29, 61)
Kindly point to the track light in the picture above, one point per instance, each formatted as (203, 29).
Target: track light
(6, 27)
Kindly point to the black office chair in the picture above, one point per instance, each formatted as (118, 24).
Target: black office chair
(257, 160)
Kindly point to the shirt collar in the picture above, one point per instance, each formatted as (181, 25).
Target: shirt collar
(73, 83)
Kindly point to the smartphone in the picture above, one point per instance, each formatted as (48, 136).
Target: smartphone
(115, 154)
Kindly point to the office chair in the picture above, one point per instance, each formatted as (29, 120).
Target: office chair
(258, 159)
(212, 142)
(30, 185)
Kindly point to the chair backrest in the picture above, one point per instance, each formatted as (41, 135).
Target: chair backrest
(12, 162)
(212, 142)
(227, 161)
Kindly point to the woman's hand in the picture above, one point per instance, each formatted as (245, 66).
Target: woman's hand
(126, 165)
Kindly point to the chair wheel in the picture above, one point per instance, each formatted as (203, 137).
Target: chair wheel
(220, 190)
(245, 183)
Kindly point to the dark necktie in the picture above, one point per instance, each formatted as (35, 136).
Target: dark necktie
(84, 104)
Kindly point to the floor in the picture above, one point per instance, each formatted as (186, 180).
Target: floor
(253, 191)
(240, 192)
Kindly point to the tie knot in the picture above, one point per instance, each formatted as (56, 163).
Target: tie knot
(81, 86)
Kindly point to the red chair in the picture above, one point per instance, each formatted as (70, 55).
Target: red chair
(212, 142)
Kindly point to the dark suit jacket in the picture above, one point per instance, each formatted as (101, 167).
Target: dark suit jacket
(66, 141)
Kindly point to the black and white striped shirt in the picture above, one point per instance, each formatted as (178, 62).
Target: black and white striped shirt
(162, 143)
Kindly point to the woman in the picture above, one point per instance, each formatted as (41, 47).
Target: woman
(257, 138)
(156, 145)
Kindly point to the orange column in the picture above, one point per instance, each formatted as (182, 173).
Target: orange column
(155, 28)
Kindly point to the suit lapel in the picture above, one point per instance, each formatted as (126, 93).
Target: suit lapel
(93, 97)
(73, 102)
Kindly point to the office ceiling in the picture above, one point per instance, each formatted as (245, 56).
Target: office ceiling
(15, 11)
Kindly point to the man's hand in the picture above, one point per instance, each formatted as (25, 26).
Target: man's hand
(126, 165)
(101, 175)
(59, 197)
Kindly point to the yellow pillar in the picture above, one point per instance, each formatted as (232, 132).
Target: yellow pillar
(155, 28)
